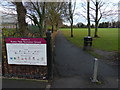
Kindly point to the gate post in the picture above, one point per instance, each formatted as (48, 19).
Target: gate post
(49, 54)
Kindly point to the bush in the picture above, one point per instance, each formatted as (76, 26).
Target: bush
(7, 32)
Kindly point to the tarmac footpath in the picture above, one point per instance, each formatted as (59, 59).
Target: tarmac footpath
(74, 68)
(24, 84)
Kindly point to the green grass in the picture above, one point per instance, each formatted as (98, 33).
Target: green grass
(108, 40)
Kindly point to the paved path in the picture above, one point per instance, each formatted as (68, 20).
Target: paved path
(12, 83)
(74, 68)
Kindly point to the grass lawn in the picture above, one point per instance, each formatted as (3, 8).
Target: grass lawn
(108, 40)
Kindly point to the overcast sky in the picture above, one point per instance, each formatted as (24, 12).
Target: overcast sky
(79, 18)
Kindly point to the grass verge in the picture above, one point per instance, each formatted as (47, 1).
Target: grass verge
(107, 43)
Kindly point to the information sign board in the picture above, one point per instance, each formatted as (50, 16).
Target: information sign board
(26, 51)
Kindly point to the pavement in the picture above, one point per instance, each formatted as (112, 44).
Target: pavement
(74, 68)
(23, 83)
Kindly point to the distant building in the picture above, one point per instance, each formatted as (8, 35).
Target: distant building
(8, 21)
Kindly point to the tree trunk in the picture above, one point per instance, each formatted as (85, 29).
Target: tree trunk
(52, 28)
(56, 26)
(45, 26)
(96, 30)
(42, 21)
(96, 20)
(21, 11)
(71, 18)
(88, 17)
(72, 29)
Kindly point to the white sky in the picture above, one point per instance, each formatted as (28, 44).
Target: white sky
(78, 18)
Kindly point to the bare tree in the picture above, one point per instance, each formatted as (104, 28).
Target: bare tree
(96, 19)
(88, 16)
(54, 14)
(69, 13)
(98, 10)
(36, 12)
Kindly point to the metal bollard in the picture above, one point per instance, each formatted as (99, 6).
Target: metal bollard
(94, 79)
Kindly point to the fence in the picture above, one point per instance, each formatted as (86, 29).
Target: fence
(29, 71)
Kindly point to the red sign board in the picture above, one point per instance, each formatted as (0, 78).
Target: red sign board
(26, 40)
(27, 51)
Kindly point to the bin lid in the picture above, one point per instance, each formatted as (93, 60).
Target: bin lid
(87, 37)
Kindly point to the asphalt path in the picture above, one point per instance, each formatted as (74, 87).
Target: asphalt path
(29, 84)
(74, 67)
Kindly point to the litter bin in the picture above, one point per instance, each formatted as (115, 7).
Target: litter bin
(87, 41)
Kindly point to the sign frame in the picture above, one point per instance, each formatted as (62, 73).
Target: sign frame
(26, 51)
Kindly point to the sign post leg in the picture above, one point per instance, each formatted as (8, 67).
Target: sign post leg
(49, 54)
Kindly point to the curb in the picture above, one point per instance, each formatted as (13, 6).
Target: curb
(13, 78)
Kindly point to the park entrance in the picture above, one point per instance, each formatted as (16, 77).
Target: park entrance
(29, 58)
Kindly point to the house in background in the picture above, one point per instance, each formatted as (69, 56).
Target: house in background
(9, 21)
